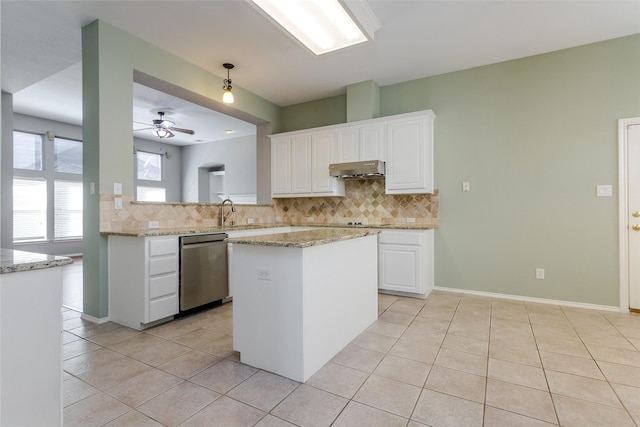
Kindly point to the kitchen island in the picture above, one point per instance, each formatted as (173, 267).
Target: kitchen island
(301, 297)
(30, 338)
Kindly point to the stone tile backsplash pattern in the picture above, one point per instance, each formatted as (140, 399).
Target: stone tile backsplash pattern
(364, 201)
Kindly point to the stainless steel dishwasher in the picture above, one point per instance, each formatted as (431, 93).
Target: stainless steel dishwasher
(203, 270)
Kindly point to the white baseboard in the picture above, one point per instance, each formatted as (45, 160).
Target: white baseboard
(531, 299)
(92, 319)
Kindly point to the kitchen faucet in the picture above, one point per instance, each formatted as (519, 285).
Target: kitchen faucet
(222, 217)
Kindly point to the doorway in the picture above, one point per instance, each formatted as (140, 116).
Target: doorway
(629, 212)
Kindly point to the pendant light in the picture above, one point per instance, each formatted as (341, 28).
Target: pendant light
(227, 97)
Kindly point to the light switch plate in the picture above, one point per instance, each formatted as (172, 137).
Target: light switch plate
(604, 190)
(117, 188)
(117, 202)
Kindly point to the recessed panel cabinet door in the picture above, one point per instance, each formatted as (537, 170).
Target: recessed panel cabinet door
(301, 164)
(399, 268)
(372, 142)
(347, 145)
(409, 142)
(281, 165)
(322, 145)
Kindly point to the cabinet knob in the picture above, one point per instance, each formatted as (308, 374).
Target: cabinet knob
(636, 227)
(636, 214)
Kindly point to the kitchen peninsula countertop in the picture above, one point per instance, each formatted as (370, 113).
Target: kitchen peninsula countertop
(218, 229)
(13, 261)
(303, 239)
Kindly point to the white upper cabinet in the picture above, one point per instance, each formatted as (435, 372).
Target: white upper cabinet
(322, 146)
(409, 148)
(280, 165)
(360, 142)
(300, 160)
(300, 164)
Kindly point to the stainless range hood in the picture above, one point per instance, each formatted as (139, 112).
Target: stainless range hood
(360, 170)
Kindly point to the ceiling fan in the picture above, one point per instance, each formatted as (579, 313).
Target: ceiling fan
(163, 128)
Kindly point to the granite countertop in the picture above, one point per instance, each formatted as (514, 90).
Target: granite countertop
(303, 239)
(218, 229)
(12, 261)
(403, 226)
(188, 230)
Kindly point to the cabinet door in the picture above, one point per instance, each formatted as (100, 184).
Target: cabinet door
(281, 165)
(322, 147)
(347, 145)
(409, 167)
(301, 164)
(371, 142)
(400, 268)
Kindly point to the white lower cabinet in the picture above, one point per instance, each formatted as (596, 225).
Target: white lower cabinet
(405, 261)
(143, 280)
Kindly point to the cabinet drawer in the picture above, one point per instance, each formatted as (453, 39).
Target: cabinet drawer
(163, 285)
(163, 307)
(159, 247)
(401, 238)
(163, 265)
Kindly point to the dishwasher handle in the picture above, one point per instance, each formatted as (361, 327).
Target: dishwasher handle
(202, 238)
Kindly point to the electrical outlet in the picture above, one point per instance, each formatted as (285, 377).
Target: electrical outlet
(540, 273)
(278, 219)
(604, 190)
(466, 186)
(310, 219)
(264, 274)
(92, 188)
(250, 221)
(411, 220)
(117, 203)
(154, 224)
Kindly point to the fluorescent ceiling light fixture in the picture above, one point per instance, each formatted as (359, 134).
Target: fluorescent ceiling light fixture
(321, 25)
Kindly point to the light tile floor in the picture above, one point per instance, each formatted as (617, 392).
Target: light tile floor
(450, 360)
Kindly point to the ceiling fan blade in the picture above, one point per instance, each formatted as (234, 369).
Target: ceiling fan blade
(136, 130)
(187, 131)
(142, 123)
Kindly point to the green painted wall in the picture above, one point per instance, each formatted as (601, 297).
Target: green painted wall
(323, 112)
(110, 57)
(364, 101)
(534, 137)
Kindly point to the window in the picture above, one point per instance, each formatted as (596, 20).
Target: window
(67, 155)
(29, 209)
(47, 188)
(149, 185)
(27, 151)
(149, 166)
(151, 194)
(67, 202)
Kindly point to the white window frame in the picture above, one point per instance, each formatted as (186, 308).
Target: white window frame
(49, 175)
(141, 184)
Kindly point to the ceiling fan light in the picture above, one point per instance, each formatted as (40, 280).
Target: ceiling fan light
(162, 133)
(227, 97)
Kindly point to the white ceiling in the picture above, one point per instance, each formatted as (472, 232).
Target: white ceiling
(41, 45)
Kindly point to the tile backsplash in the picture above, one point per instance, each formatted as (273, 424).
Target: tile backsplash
(364, 201)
